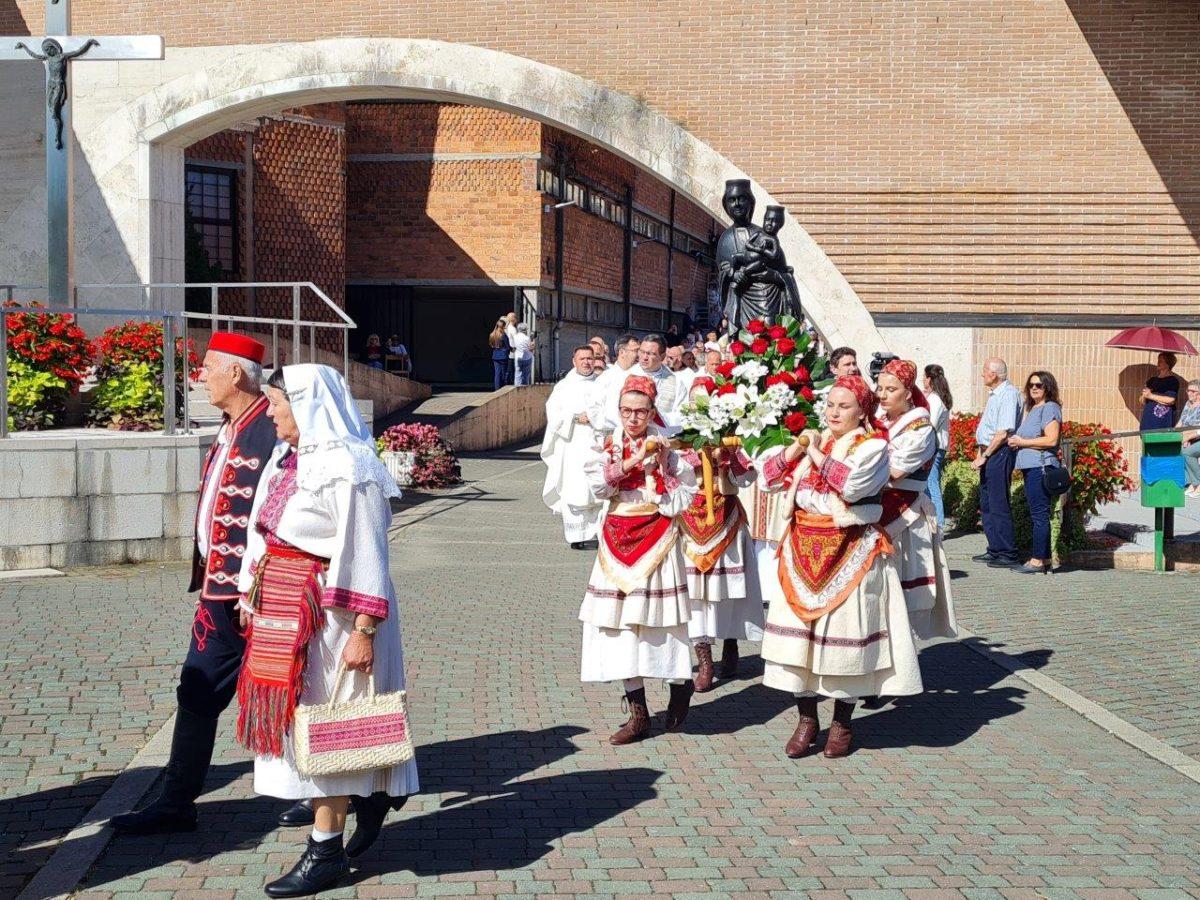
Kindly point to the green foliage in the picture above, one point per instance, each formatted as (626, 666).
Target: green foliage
(130, 398)
(33, 395)
(960, 494)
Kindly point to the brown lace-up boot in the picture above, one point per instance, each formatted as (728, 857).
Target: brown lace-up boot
(729, 658)
(638, 726)
(837, 744)
(704, 673)
(677, 708)
(806, 729)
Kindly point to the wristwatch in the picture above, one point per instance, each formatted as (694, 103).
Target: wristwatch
(368, 630)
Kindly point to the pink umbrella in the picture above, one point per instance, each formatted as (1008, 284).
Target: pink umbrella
(1151, 337)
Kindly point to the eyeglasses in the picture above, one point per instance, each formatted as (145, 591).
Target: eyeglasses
(627, 413)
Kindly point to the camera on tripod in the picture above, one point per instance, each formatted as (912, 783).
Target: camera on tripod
(878, 361)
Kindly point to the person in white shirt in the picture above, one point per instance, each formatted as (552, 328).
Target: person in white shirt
(568, 444)
(510, 329)
(523, 356)
(610, 381)
(937, 392)
(673, 360)
(670, 393)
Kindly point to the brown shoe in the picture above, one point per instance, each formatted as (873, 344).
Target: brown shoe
(838, 742)
(802, 738)
(729, 658)
(704, 674)
(677, 708)
(638, 726)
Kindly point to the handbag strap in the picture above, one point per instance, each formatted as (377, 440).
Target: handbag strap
(337, 683)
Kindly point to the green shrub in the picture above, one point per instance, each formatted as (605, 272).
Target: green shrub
(960, 494)
(129, 399)
(33, 395)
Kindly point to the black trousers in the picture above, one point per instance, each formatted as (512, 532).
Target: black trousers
(209, 676)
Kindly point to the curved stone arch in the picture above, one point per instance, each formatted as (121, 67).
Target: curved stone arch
(140, 147)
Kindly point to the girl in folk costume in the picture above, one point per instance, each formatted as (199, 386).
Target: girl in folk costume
(318, 597)
(722, 574)
(840, 626)
(636, 609)
(908, 514)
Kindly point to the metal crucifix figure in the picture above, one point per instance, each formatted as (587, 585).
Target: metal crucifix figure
(59, 50)
(56, 77)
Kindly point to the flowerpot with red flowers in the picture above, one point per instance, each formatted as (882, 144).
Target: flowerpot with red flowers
(130, 375)
(418, 456)
(49, 356)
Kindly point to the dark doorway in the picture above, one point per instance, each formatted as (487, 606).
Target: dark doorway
(444, 328)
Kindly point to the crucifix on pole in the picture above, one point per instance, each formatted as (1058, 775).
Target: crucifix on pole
(57, 50)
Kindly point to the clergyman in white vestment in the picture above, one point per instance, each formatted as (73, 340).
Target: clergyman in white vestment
(569, 442)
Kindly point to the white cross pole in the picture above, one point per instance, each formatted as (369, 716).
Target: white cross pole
(57, 50)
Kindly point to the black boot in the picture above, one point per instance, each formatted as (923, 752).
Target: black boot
(297, 814)
(323, 864)
(369, 813)
(174, 809)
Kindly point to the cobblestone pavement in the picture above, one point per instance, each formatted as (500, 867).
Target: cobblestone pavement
(1125, 640)
(980, 786)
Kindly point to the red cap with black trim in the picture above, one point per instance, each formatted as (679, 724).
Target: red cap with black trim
(238, 345)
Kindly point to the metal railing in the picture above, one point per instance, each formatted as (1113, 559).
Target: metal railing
(173, 318)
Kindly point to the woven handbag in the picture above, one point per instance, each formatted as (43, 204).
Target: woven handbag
(369, 732)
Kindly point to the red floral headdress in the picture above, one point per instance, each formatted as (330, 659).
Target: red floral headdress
(867, 401)
(640, 384)
(905, 371)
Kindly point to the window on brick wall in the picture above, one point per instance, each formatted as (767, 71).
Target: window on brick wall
(647, 319)
(212, 207)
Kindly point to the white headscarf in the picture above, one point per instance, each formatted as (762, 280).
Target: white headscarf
(335, 443)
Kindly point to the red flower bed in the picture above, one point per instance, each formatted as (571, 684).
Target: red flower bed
(140, 342)
(962, 436)
(49, 342)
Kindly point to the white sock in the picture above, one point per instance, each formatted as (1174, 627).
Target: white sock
(632, 684)
(318, 835)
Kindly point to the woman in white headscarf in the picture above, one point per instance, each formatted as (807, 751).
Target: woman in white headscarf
(318, 596)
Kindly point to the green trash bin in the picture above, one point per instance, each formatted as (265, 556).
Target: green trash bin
(1163, 479)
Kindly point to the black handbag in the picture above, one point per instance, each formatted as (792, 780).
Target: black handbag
(1056, 480)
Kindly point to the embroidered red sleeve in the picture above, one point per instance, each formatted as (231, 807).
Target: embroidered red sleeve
(740, 464)
(344, 598)
(834, 473)
(777, 468)
(669, 483)
(613, 473)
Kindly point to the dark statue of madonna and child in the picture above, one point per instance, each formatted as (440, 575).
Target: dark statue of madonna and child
(754, 278)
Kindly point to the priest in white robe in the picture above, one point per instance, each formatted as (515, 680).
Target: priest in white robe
(671, 396)
(603, 415)
(568, 443)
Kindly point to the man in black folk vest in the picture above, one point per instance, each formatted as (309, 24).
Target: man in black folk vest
(232, 375)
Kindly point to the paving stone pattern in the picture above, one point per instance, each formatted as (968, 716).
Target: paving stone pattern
(1125, 640)
(979, 787)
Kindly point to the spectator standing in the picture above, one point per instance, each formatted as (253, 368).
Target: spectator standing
(937, 392)
(1160, 408)
(994, 461)
(672, 337)
(1189, 420)
(843, 361)
(1036, 443)
(523, 354)
(397, 349)
(501, 353)
(510, 329)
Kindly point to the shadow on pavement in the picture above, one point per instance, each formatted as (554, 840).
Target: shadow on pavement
(498, 822)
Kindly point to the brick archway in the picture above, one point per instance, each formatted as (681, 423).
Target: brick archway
(138, 154)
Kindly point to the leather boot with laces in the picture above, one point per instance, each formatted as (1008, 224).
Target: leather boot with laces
(369, 813)
(806, 729)
(704, 673)
(638, 725)
(677, 708)
(837, 744)
(323, 864)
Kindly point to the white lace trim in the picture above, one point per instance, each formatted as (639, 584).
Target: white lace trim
(320, 465)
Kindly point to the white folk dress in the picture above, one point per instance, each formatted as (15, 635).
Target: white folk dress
(566, 446)
(911, 522)
(347, 525)
(636, 608)
(722, 570)
(864, 645)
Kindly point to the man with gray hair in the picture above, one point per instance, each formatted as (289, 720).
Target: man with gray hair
(995, 460)
(231, 374)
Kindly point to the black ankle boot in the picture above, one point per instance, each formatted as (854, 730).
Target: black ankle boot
(174, 809)
(369, 813)
(323, 864)
(297, 814)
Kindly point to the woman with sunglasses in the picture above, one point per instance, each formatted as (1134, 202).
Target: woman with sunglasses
(1036, 442)
(636, 609)
(1189, 421)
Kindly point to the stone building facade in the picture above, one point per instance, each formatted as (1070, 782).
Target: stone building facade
(964, 177)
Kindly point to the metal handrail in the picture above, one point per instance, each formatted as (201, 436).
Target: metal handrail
(1068, 442)
(172, 317)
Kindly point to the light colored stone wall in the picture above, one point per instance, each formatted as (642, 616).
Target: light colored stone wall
(98, 500)
(500, 419)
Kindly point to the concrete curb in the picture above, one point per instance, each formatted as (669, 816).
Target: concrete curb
(1093, 712)
(87, 840)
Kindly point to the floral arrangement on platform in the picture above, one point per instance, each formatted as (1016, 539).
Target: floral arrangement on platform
(417, 454)
(765, 396)
(49, 356)
(129, 396)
